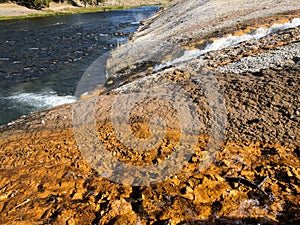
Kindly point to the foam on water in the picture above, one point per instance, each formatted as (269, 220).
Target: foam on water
(41, 100)
(136, 23)
(231, 41)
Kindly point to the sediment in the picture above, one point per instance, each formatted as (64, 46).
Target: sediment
(248, 175)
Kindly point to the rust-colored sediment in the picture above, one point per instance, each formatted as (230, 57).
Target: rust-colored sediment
(245, 28)
(45, 180)
(253, 178)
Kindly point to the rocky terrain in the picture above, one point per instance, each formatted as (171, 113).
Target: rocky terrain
(230, 134)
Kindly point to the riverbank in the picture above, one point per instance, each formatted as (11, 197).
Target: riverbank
(10, 11)
(244, 165)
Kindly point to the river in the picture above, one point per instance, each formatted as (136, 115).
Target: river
(43, 59)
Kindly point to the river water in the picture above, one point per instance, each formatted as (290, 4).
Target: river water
(43, 59)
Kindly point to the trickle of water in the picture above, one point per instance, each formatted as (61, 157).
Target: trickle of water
(230, 41)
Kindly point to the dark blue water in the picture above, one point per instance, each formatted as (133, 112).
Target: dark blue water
(43, 59)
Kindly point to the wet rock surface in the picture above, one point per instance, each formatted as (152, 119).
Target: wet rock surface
(252, 177)
(184, 23)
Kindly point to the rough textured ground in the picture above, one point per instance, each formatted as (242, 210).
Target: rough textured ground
(167, 35)
(10, 9)
(253, 179)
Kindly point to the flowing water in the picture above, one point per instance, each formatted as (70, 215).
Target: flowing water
(228, 41)
(43, 59)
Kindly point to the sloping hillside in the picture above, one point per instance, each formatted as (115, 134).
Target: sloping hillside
(198, 123)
